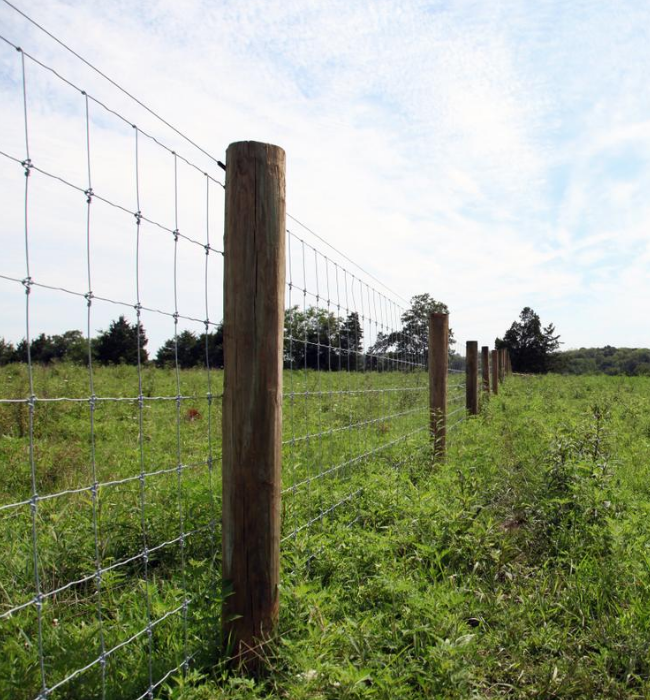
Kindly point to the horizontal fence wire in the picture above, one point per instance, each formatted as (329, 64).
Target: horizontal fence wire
(110, 491)
(355, 388)
(110, 503)
(456, 399)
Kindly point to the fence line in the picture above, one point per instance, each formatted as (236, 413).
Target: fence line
(356, 384)
(112, 569)
(101, 526)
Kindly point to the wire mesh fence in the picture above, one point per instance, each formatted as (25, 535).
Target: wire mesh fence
(109, 494)
(356, 388)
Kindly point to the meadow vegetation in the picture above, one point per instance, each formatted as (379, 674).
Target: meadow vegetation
(519, 568)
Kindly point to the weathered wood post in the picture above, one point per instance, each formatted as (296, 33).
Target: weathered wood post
(485, 368)
(254, 279)
(502, 365)
(438, 370)
(495, 371)
(471, 377)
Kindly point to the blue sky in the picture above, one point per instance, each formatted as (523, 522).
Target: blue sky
(495, 154)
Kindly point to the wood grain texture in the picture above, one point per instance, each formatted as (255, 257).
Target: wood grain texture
(438, 369)
(485, 368)
(254, 283)
(471, 377)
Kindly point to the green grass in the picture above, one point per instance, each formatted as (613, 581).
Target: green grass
(520, 568)
(65, 535)
(330, 420)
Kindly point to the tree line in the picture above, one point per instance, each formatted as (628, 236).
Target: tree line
(536, 349)
(121, 343)
(314, 338)
(631, 362)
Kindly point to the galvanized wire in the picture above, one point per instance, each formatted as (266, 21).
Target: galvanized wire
(89, 588)
(356, 400)
(356, 392)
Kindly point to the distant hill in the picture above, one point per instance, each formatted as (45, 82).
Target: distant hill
(632, 362)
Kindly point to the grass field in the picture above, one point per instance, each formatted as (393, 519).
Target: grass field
(520, 568)
(335, 426)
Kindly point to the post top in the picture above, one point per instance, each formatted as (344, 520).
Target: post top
(255, 146)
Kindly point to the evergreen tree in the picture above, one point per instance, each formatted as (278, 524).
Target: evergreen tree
(192, 350)
(214, 348)
(71, 346)
(189, 351)
(531, 347)
(7, 352)
(119, 344)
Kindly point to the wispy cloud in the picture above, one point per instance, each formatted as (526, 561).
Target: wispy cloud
(493, 154)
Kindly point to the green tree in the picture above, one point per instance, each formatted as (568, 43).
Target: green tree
(7, 352)
(119, 344)
(212, 343)
(192, 350)
(189, 351)
(350, 342)
(532, 348)
(411, 343)
(312, 339)
(71, 346)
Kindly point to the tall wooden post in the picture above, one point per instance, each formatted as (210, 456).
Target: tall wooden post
(471, 376)
(502, 365)
(485, 368)
(495, 371)
(254, 279)
(438, 370)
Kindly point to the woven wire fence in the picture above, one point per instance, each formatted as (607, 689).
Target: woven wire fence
(109, 491)
(456, 408)
(355, 388)
(110, 499)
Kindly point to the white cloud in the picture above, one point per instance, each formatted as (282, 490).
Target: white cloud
(458, 149)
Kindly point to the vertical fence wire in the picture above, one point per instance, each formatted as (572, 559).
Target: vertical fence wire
(360, 379)
(111, 608)
(355, 405)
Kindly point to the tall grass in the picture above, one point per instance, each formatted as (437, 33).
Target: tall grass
(519, 568)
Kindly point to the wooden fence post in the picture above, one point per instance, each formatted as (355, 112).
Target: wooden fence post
(485, 368)
(254, 280)
(471, 376)
(502, 365)
(438, 369)
(495, 371)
